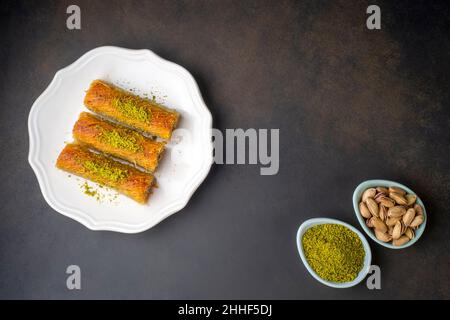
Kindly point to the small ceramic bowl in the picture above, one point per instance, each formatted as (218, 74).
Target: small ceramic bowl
(367, 259)
(385, 183)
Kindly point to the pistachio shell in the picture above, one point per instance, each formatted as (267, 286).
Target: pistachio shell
(364, 210)
(378, 197)
(382, 212)
(379, 225)
(408, 217)
(372, 206)
(409, 233)
(411, 199)
(403, 228)
(369, 193)
(397, 230)
(398, 198)
(398, 190)
(419, 209)
(400, 241)
(382, 236)
(418, 220)
(387, 202)
(396, 211)
(369, 223)
(390, 222)
(390, 230)
(383, 190)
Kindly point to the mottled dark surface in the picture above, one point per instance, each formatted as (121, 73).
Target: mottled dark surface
(351, 105)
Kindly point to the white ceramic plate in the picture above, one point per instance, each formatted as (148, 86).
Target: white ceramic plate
(185, 164)
(367, 258)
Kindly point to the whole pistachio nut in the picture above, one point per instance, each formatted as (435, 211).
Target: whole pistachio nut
(390, 230)
(390, 221)
(396, 212)
(383, 190)
(379, 225)
(382, 212)
(408, 217)
(369, 193)
(403, 227)
(398, 190)
(400, 241)
(364, 210)
(382, 236)
(411, 199)
(418, 220)
(398, 198)
(387, 202)
(372, 206)
(419, 209)
(397, 231)
(378, 197)
(409, 233)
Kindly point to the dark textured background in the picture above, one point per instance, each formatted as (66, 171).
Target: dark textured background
(351, 105)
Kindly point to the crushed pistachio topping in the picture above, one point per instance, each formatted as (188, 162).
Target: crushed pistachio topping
(117, 140)
(131, 107)
(105, 170)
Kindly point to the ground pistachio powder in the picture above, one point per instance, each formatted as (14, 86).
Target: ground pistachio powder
(334, 252)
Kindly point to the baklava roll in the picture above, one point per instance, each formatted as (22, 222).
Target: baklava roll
(117, 141)
(127, 180)
(122, 106)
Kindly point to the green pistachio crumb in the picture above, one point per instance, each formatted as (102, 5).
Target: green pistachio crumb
(131, 107)
(105, 170)
(117, 140)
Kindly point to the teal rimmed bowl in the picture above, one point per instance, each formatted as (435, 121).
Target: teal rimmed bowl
(385, 183)
(367, 258)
